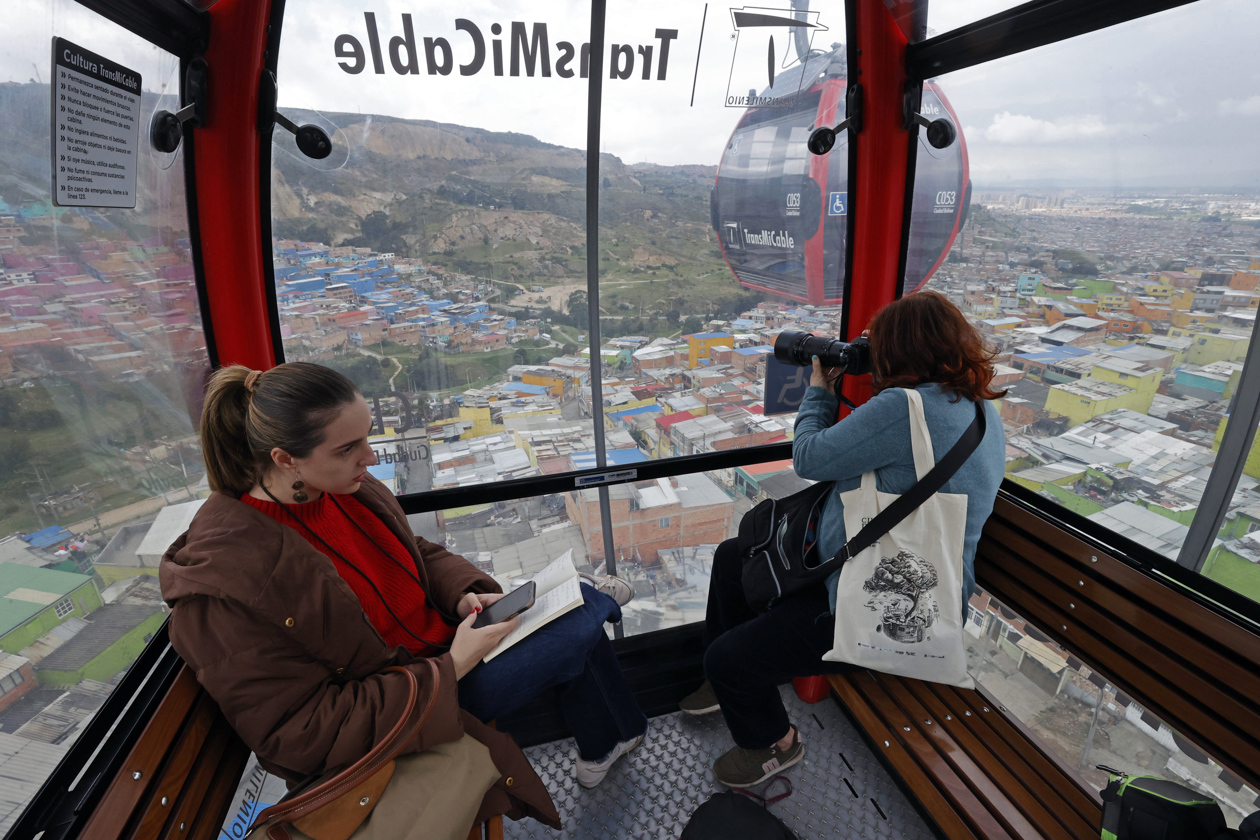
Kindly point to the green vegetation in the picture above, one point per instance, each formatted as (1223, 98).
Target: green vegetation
(72, 430)
(1081, 263)
(1235, 572)
(426, 369)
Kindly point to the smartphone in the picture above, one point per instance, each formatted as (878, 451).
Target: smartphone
(510, 605)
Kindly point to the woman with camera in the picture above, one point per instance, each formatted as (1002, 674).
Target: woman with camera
(923, 342)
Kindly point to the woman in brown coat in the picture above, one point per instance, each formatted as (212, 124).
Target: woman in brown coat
(298, 582)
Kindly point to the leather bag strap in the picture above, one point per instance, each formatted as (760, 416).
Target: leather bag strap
(891, 516)
(411, 722)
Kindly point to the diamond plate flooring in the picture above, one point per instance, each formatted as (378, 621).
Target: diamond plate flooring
(840, 789)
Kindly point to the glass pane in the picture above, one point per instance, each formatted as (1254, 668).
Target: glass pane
(1108, 251)
(1077, 714)
(664, 534)
(424, 256)
(102, 355)
(718, 228)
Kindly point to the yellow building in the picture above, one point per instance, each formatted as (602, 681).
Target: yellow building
(555, 383)
(1181, 299)
(479, 416)
(1087, 398)
(699, 345)
(1217, 347)
(1111, 300)
(1185, 318)
(1142, 378)
(1157, 290)
(1252, 465)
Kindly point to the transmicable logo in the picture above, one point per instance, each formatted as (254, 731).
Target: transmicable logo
(765, 47)
(772, 238)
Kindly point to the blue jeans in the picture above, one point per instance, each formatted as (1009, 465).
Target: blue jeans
(573, 654)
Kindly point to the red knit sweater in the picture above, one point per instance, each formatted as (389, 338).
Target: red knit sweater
(397, 581)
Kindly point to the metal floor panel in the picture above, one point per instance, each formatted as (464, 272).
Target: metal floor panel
(652, 792)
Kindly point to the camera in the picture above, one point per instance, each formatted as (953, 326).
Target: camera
(799, 348)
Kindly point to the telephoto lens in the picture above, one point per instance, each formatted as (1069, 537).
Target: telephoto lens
(792, 347)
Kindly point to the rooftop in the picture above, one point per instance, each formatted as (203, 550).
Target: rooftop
(108, 624)
(1094, 389)
(28, 591)
(1144, 527)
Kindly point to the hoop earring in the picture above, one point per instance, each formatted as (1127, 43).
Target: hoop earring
(299, 495)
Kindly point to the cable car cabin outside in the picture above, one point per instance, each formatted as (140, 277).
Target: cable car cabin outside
(408, 194)
(781, 213)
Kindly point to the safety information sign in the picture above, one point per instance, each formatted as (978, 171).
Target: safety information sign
(95, 129)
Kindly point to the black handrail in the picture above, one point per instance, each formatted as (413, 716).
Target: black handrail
(1022, 28)
(173, 25)
(502, 491)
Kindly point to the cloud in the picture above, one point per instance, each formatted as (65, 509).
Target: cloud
(1248, 107)
(1017, 129)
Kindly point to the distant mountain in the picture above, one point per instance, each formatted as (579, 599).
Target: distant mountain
(478, 196)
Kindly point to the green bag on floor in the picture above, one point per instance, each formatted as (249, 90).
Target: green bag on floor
(1151, 808)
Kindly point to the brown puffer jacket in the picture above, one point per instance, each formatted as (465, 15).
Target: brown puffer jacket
(280, 641)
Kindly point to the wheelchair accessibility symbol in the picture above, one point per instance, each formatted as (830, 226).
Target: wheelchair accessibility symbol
(838, 204)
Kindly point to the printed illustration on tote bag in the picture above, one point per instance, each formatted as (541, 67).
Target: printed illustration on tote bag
(901, 590)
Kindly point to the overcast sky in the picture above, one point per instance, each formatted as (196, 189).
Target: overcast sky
(1169, 99)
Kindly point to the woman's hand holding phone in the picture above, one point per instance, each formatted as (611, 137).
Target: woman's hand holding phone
(473, 600)
(471, 644)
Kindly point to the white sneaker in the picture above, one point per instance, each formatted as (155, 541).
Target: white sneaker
(616, 587)
(591, 773)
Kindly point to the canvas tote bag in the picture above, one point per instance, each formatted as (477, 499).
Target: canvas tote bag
(429, 795)
(899, 602)
(432, 795)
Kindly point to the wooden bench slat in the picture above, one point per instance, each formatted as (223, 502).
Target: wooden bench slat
(174, 772)
(938, 768)
(1158, 692)
(1040, 802)
(951, 825)
(114, 812)
(199, 780)
(219, 798)
(1141, 587)
(1019, 749)
(1110, 636)
(1202, 653)
(1010, 804)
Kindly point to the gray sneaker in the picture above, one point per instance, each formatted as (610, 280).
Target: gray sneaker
(616, 587)
(741, 768)
(702, 701)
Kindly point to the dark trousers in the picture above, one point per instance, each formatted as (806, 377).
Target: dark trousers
(573, 654)
(749, 655)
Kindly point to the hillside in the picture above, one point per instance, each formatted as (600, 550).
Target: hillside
(507, 206)
(494, 204)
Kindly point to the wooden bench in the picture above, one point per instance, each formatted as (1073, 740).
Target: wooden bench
(979, 772)
(179, 779)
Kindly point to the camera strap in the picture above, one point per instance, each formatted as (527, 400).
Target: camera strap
(891, 516)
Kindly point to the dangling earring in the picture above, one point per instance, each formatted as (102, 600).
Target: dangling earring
(299, 495)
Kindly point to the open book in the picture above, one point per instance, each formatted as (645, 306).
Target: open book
(557, 590)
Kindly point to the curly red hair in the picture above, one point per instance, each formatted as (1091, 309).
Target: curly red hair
(922, 338)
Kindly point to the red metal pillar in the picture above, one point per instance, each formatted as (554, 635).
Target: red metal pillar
(228, 184)
(878, 202)
(878, 195)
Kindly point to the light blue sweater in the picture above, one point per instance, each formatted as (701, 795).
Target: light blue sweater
(877, 437)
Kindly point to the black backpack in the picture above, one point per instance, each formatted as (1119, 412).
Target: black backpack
(730, 815)
(1151, 808)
